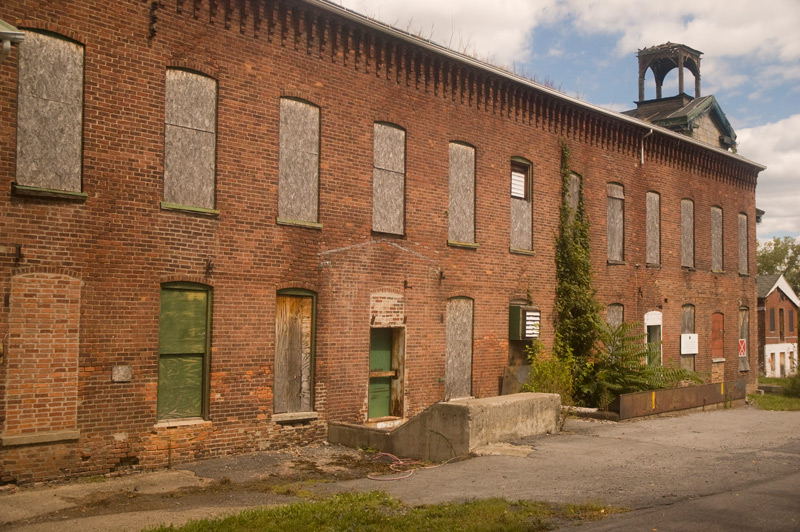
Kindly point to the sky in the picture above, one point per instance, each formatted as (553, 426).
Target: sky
(587, 49)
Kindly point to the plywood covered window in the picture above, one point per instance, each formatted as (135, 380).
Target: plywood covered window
(388, 179)
(458, 349)
(744, 268)
(461, 208)
(50, 113)
(744, 339)
(298, 164)
(521, 204)
(294, 351)
(687, 233)
(615, 222)
(184, 338)
(717, 240)
(615, 314)
(572, 197)
(190, 138)
(688, 348)
(653, 228)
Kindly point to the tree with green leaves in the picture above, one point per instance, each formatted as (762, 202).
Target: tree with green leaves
(780, 255)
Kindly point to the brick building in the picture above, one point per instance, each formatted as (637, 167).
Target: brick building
(225, 224)
(778, 308)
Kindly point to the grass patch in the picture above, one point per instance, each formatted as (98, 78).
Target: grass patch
(377, 512)
(780, 381)
(775, 402)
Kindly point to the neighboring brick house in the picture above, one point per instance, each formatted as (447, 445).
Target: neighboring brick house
(778, 308)
(225, 224)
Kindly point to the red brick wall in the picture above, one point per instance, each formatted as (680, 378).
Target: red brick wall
(123, 246)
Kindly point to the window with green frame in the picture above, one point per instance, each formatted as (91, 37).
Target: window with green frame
(184, 340)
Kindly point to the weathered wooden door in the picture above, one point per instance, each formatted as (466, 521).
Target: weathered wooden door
(380, 372)
(717, 335)
(293, 336)
(458, 349)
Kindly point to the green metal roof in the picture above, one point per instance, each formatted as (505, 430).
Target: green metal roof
(10, 33)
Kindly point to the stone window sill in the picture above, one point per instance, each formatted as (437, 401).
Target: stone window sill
(717, 360)
(40, 437)
(295, 417)
(653, 266)
(465, 245)
(519, 251)
(185, 422)
(298, 223)
(24, 190)
(167, 206)
(616, 262)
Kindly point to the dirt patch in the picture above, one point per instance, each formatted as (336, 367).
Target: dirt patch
(260, 479)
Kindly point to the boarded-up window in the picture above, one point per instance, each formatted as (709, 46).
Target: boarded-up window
(716, 240)
(50, 113)
(190, 136)
(791, 320)
(772, 320)
(717, 336)
(743, 245)
(744, 339)
(615, 314)
(183, 345)
(615, 225)
(573, 195)
(461, 209)
(458, 349)
(298, 165)
(687, 327)
(780, 325)
(521, 205)
(294, 352)
(388, 179)
(653, 228)
(687, 233)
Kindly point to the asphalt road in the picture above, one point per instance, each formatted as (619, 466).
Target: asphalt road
(726, 470)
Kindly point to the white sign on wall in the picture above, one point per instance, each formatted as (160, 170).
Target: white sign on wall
(689, 344)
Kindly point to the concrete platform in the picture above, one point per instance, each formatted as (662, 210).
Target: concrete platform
(457, 428)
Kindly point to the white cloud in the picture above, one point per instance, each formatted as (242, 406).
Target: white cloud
(777, 145)
(498, 31)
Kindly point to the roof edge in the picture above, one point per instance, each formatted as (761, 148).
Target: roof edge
(783, 285)
(354, 16)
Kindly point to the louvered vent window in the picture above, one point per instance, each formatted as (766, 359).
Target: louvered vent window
(532, 318)
(519, 181)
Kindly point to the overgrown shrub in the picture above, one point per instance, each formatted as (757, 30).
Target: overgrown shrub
(624, 362)
(549, 374)
(792, 386)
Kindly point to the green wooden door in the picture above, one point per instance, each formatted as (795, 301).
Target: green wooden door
(182, 345)
(380, 372)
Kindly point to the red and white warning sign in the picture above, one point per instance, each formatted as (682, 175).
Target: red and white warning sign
(742, 347)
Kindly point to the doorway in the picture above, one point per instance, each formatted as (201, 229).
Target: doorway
(385, 372)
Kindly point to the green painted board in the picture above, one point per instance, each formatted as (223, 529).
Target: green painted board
(182, 327)
(380, 359)
(180, 386)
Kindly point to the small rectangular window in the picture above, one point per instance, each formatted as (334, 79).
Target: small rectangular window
(717, 240)
(780, 325)
(687, 233)
(50, 113)
(772, 320)
(521, 205)
(743, 245)
(298, 165)
(190, 136)
(461, 209)
(744, 339)
(615, 222)
(791, 320)
(388, 179)
(615, 314)
(653, 228)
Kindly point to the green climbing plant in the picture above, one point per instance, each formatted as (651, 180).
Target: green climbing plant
(577, 310)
